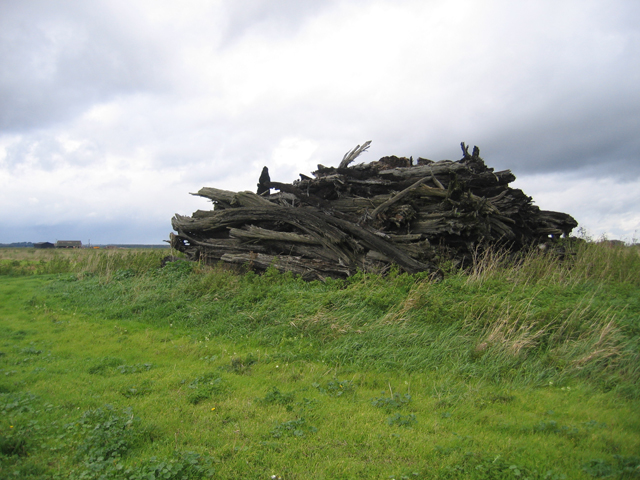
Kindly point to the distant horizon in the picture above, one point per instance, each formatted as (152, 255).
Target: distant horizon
(24, 244)
(86, 244)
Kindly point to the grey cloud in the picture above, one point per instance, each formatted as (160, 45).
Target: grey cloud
(59, 58)
(527, 106)
(45, 151)
(589, 139)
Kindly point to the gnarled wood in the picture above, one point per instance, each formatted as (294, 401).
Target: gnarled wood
(256, 233)
(350, 218)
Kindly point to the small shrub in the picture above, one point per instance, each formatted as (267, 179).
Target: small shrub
(15, 268)
(551, 426)
(182, 466)
(293, 428)
(57, 264)
(109, 434)
(390, 403)
(15, 442)
(619, 466)
(138, 390)
(483, 466)
(177, 269)
(18, 402)
(124, 274)
(335, 387)
(31, 351)
(240, 366)
(102, 365)
(204, 387)
(275, 397)
(403, 420)
(501, 398)
(137, 368)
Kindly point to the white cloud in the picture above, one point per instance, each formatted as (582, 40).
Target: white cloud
(292, 156)
(601, 205)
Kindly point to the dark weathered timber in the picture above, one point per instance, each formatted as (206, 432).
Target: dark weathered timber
(403, 194)
(367, 217)
(252, 233)
(308, 268)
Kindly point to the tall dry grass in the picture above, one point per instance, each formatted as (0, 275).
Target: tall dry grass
(571, 262)
(557, 307)
(82, 261)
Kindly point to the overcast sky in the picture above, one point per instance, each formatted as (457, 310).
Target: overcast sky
(112, 111)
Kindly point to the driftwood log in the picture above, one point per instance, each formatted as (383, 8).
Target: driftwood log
(367, 217)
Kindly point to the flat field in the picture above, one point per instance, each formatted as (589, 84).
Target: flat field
(114, 368)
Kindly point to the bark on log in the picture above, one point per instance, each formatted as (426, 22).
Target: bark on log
(397, 197)
(256, 233)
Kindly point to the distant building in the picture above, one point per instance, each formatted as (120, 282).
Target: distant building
(43, 245)
(68, 244)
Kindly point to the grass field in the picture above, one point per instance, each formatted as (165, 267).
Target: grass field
(111, 367)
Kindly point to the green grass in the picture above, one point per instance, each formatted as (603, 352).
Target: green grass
(525, 368)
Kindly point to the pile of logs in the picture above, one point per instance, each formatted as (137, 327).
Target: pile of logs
(368, 217)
